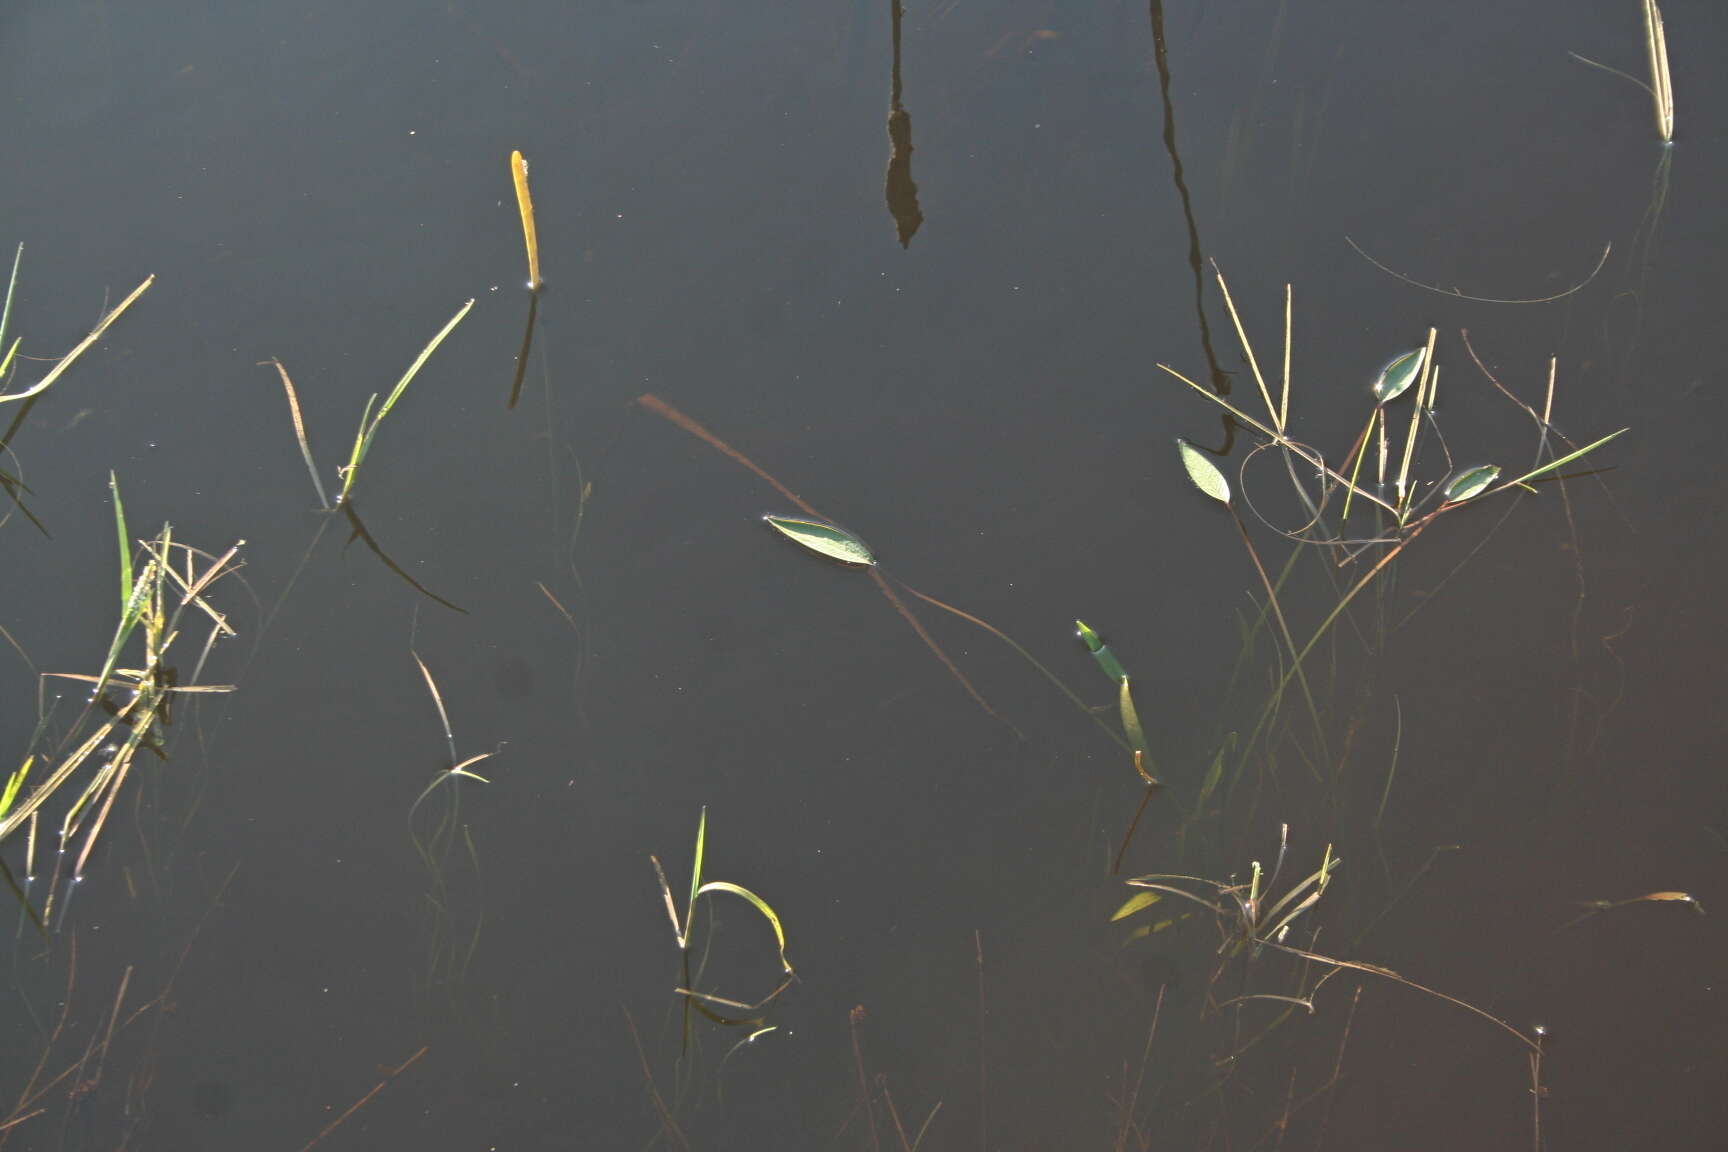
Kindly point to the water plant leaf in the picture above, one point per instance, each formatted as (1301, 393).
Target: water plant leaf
(13, 783)
(820, 536)
(1136, 735)
(125, 544)
(1135, 903)
(1204, 473)
(370, 421)
(760, 905)
(1556, 465)
(1100, 652)
(1471, 482)
(1394, 379)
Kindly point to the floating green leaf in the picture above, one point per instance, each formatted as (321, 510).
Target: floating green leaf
(819, 536)
(1204, 473)
(1101, 652)
(1397, 376)
(1471, 482)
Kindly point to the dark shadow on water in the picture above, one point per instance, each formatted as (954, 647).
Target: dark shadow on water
(901, 192)
(359, 532)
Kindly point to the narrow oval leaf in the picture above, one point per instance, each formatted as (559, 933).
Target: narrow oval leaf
(818, 536)
(1471, 482)
(1204, 473)
(1397, 376)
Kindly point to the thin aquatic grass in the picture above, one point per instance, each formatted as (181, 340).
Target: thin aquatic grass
(369, 421)
(81, 347)
(299, 429)
(683, 928)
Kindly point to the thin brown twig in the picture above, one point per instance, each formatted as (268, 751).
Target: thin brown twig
(864, 1101)
(358, 1104)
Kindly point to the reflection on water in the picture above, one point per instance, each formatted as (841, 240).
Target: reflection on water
(901, 192)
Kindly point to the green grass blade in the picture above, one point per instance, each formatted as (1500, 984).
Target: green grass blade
(695, 875)
(6, 313)
(760, 905)
(360, 442)
(1564, 460)
(369, 429)
(13, 783)
(125, 544)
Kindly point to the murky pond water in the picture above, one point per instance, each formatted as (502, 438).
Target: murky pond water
(932, 274)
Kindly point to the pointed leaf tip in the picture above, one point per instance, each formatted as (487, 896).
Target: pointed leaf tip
(820, 536)
(1204, 473)
(1399, 373)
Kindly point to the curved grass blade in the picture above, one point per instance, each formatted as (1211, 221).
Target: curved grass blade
(1204, 473)
(760, 905)
(1394, 379)
(820, 536)
(1471, 482)
(82, 346)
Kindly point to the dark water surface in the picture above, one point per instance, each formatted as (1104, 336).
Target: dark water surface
(929, 293)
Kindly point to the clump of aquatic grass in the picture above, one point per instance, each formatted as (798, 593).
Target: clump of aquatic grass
(155, 598)
(1253, 917)
(683, 927)
(1247, 914)
(1402, 503)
